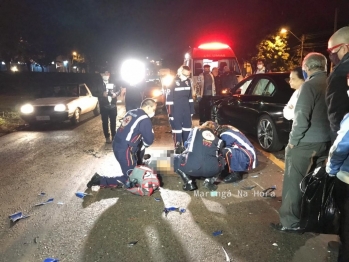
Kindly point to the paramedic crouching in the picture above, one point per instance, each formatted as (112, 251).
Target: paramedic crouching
(132, 137)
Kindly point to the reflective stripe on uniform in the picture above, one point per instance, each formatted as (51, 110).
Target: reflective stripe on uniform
(128, 137)
(177, 131)
(186, 129)
(169, 103)
(193, 139)
(181, 88)
(191, 100)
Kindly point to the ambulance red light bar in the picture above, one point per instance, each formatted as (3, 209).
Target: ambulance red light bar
(213, 46)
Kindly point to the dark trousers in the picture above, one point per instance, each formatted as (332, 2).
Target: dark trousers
(299, 161)
(205, 109)
(128, 158)
(341, 197)
(181, 124)
(109, 116)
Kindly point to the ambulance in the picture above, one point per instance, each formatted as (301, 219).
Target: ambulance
(215, 54)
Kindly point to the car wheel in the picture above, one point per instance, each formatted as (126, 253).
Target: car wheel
(76, 117)
(267, 136)
(96, 111)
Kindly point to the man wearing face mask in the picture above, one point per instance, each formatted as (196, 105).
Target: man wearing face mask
(309, 140)
(260, 67)
(132, 137)
(207, 90)
(337, 98)
(180, 106)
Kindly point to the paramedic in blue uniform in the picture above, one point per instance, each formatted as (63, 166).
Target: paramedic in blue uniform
(238, 152)
(132, 137)
(201, 158)
(180, 106)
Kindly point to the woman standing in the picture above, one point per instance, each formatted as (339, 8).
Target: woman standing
(296, 81)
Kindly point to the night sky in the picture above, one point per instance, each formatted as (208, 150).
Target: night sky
(113, 30)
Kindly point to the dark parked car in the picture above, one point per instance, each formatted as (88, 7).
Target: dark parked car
(256, 107)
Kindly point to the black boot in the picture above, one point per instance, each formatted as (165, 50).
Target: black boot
(95, 181)
(189, 185)
(179, 149)
(209, 184)
(233, 177)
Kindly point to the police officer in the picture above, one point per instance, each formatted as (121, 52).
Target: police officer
(108, 109)
(238, 152)
(134, 134)
(201, 158)
(180, 106)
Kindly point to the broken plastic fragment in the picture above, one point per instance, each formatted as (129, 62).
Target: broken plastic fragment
(217, 233)
(60, 203)
(42, 194)
(17, 216)
(157, 199)
(82, 194)
(248, 187)
(44, 203)
(178, 209)
(50, 259)
(275, 245)
(255, 176)
(131, 244)
(226, 255)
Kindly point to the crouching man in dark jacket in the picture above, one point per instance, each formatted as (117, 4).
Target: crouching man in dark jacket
(201, 158)
(132, 137)
(238, 152)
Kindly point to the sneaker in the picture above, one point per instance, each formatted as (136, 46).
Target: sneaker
(95, 181)
(108, 140)
(209, 185)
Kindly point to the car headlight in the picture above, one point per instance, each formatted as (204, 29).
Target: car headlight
(167, 80)
(225, 91)
(27, 109)
(156, 93)
(60, 108)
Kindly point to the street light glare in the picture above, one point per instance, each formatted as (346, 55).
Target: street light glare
(283, 31)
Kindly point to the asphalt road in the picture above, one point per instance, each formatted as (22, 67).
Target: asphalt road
(59, 161)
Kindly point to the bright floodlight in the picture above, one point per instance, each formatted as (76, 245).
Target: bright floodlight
(213, 45)
(283, 30)
(14, 69)
(133, 71)
(27, 109)
(167, 80)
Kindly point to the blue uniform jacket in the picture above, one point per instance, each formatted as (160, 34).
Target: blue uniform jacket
(237, 143)
(136, 127)
(178, 95)
(338, 162)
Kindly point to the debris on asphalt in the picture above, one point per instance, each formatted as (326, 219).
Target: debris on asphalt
(275, 245)
(44, 203)
(131, 244)
(17, 216)
(178, 209)
(157, 199)
(229, 243)
(82, 194)
(60, 203)
(92, 152)
(255, 176)
(42, 194)
(36, 240)
(50, 259)
(269, 192)
(227, 259)
(217, 233)
(248, 187)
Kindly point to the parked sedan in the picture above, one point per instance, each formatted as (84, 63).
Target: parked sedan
(256, 107)
(60, 103)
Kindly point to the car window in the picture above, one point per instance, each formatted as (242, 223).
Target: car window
(260, 87)
(269, 90)
(83, 91)
(243, 88)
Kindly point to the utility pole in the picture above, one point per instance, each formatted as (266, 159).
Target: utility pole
(302, 45)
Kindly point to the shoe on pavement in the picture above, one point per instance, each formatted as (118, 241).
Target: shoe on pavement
(232, 178)
(95, 181)
(279, 227)
(209, 184)
(108, 140)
